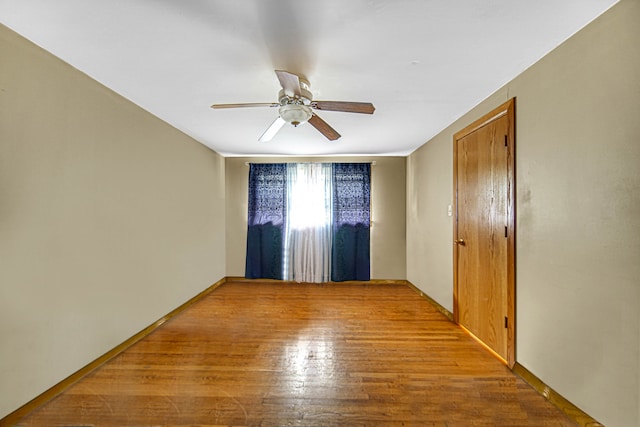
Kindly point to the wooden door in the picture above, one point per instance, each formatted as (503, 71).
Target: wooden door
(484, 237)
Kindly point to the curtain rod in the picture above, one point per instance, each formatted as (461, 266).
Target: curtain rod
(372, 163)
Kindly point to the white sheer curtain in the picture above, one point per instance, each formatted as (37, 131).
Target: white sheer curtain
(307, 243)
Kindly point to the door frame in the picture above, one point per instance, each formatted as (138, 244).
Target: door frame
(508, 109)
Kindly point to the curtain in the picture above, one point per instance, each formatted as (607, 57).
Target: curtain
(266, 221)
(350, 253)
(307, 254)
(309, 222)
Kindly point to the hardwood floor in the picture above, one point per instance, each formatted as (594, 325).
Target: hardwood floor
(275, 354)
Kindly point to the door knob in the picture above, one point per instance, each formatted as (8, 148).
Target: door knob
(459, 242)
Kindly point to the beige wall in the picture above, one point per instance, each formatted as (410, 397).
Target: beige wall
(578, 216)
(109, 219)
(387, 212)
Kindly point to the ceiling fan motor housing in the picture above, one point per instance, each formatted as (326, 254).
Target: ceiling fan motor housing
(305, 97)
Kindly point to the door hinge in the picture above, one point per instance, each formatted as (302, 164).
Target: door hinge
(506, 322)
(506, 139)
(506, 234)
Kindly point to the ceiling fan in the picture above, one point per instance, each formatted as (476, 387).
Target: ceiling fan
(295, 105)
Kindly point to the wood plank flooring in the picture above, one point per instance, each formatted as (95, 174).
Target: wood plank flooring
(277, 354)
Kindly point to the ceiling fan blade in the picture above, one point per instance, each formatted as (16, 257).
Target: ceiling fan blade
(251, 104)
(289, 82)
(349, 107)
(272, 130)
(324, 128)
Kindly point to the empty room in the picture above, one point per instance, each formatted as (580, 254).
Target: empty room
(319, 213)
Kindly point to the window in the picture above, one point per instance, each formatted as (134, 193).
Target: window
(309, 222)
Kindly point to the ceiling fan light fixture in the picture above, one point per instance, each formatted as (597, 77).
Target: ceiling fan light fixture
(295, 114)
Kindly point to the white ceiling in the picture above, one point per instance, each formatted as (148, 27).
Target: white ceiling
(422, 63)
